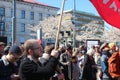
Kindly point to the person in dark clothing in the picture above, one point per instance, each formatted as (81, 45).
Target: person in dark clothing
(45, 56)
(65, 61)
(87, 71)
(7, 64)
(31, 68)
(89, 67)
(104, 63)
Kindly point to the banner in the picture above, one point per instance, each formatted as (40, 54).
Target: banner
(109, 10)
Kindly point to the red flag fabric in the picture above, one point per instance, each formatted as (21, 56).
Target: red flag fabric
(109, 10)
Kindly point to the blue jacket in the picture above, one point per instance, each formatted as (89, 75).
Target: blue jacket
(104, 64)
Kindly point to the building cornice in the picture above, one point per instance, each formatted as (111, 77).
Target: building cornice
(39, 3)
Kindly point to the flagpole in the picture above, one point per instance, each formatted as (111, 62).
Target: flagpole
(59, 25)
(14, 23)
(74, 33)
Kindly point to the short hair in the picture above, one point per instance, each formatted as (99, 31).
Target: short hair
(15, 50)
(90, 52)
(6, 50)
(69, 47)
(29, 44)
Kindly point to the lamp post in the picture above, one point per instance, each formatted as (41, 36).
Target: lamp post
(2, 26)
(14, 22)
(74, 40)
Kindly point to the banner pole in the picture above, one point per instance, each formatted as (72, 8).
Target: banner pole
(59, 25)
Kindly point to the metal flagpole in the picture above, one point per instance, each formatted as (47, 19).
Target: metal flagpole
(59, 25)
(74, 35)
(14, 22)
(74, 40)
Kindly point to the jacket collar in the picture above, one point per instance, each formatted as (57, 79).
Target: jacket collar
(5, 60)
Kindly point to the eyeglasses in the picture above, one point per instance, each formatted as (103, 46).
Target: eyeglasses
(37, 48)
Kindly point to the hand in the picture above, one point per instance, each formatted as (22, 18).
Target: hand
(15, 77)
(61, 76)
(54, 53)
(94, 66)
(68, 63)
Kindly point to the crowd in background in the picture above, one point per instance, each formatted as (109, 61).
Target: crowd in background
(32, 61)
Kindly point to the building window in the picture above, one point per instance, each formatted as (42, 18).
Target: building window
(2, 26)
(40, 16)
(22, 27)
(48, 15)
(2, 11)
(62, 33)
(10, 26)
(68, 33)
(32, 15)
(2, 16)
(53, 15)
(22, 14)
(11, 14)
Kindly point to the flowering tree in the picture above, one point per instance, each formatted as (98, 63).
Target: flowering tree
(91, 30)
(94, 31)
(112, 35)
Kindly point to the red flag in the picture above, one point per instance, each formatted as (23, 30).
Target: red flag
(109, 10)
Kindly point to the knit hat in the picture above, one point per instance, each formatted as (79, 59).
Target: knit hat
(112, 46)
(15, 49)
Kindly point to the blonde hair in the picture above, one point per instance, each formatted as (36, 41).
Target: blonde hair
(90, 52)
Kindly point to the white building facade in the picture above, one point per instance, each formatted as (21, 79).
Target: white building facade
(28, 14)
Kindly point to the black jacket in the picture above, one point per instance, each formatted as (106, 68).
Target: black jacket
(29, 70)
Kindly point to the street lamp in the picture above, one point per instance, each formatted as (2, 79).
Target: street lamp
(14, 22)
(2, 26)
(74, 40)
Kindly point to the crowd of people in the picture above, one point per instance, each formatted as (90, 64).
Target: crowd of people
(32, 61)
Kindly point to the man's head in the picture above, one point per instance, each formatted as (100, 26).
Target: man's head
(33, 48)
(2, 46)
(62, 48)
(112, 46)
(14, 53)
(104, 47)
(69, 48)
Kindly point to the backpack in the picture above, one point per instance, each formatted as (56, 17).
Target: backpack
(114, 65)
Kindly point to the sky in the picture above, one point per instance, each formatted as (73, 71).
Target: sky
(81, 5)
